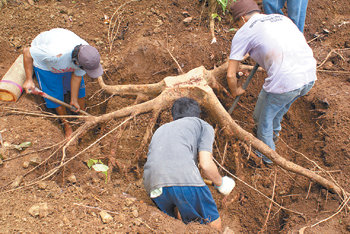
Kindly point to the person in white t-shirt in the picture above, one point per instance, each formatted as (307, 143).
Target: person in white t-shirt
(60, 59)
(276, 44)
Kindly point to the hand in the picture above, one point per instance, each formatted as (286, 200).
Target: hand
(28, 86)
(239, 91)
(226, 186)
(76, 105)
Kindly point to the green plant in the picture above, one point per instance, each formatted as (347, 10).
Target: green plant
(97, 165)
(223, 4)
(215, 15)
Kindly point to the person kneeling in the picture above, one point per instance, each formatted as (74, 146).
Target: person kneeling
(171, 174)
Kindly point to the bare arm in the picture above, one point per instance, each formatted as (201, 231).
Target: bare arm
(209, 168)
(75, 85)
(232, 79)
(28, 69)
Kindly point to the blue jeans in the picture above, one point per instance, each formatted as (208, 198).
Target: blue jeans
(269, 111)
(296, 10)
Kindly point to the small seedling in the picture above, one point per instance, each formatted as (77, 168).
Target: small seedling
(215, 15)
(97, 165)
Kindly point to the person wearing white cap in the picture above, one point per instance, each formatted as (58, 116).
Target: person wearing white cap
(59, 58)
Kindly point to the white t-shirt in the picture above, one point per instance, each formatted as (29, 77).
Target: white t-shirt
(278, 46)
(46, 47)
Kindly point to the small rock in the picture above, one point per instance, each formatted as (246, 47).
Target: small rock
(72, 179)
(135, 213)
(106, 218)
(185, 13)
(66, 220)
(4, 153)
(25, 164)
(1, 162)
(187, 20)
(40, 210)
(34, 161)
(158, 23)
(42, 185)
(325, 31)
(17, 182)
(137, 222)
(282, 192)
(157, 30)
(129, 201)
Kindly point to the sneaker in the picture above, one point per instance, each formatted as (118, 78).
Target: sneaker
(264, 158)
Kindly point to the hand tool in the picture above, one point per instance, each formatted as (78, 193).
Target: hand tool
(39, 92)
(208, 182)
(244, 86)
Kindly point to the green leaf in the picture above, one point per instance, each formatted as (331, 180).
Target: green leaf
(223, 4)
(91, 162)
(100, 167)
(232, 29)
(215, 15)
(23, 145)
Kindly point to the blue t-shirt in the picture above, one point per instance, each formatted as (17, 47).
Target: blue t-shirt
(172, 158)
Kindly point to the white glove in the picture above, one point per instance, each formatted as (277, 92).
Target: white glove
(226, 186)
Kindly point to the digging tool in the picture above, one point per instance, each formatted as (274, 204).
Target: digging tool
(244, 86)
(208, 182)
(39, 92)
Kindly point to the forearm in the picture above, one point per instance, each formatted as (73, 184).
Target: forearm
(75, 85)
(231, 75)
(28, 64)
(209, 168)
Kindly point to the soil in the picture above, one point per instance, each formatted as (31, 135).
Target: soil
(317, 126)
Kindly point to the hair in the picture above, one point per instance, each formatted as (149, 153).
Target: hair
(185, 107)
(75, 54)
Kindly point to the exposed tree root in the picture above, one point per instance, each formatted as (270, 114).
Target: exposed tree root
(197, 84)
